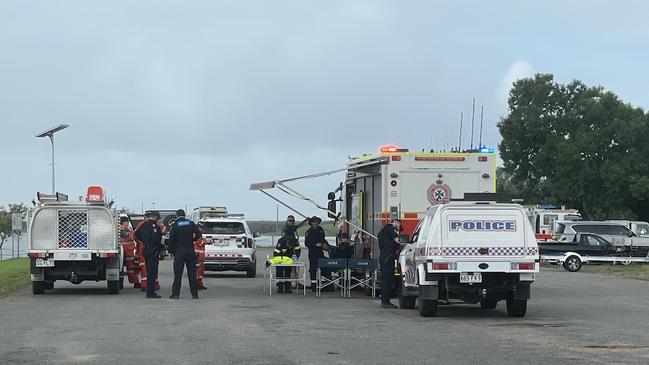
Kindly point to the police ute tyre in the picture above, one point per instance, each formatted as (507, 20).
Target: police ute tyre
(252, 271)
(49, 285)
(427, 307)
(516, 307)
(38, 287)
(572, 263)
(488, 303)
(121, 281)
(406, 302)
(113, 287)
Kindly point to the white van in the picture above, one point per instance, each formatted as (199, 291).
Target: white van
(478, 252)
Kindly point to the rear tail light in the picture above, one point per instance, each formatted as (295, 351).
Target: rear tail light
(36, 255)
(250, 242)
(482, 158)
(523, 266)
(108, 254)
(440, 265)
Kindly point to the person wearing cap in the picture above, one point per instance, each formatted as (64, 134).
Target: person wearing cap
(150, 235)
(313, 239)
(181, 243)
(290, 228)
(388, 242)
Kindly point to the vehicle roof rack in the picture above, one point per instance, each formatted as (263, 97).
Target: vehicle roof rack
(487, 197)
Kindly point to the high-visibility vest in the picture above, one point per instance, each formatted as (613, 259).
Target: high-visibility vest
(280, 260)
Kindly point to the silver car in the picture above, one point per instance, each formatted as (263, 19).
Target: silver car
(616, 233)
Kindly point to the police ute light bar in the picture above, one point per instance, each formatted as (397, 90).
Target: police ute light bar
(392, 149)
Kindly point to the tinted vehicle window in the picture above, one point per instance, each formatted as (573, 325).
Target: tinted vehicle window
(613, 230)
(223, 228)
(643, 230)
(547, 218)
(571, 217)
(594, 241)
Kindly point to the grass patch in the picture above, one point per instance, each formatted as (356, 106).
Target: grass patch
(632, 271)
(14, 274)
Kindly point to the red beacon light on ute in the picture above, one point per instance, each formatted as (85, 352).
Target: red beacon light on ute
(392, 149)
(95, 195)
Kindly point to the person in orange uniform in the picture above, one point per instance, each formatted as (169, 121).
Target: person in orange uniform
(140, 253)
(199, 248)
(127, 240)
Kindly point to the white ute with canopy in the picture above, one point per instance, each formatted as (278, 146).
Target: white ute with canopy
(478, 252)
(74, 241)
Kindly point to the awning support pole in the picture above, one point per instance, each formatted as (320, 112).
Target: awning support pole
(284, 204)
(325, 209)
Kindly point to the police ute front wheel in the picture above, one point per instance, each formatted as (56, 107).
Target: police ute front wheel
(113, 287)
(516, 307)
(572, 264)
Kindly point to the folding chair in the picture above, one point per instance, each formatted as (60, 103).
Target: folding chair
(369, 279)
(331, 265)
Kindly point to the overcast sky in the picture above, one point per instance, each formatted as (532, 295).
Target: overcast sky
(188, 102)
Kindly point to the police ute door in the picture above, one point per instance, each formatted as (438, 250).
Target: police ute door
(483, 231)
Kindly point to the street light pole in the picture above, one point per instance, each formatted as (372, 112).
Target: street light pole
(53, 174)
(50, 134)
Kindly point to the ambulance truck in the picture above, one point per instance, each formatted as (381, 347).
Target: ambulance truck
(397, 183)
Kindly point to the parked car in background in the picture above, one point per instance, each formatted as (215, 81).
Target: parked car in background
(588, 247)
(229, 245)
(616, 233)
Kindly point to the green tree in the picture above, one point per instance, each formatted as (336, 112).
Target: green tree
(578, 146)
(5, 219)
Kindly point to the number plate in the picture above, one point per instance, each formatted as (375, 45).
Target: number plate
(223, 243)
(44, 263)
(466, 278)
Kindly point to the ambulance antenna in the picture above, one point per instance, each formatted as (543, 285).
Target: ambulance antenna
(459, 146)
(472, 122)
(481, 117)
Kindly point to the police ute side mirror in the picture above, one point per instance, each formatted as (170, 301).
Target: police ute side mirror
(404, 238)
(256, 235)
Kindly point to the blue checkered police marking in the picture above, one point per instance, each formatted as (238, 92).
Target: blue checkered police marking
(474, 251)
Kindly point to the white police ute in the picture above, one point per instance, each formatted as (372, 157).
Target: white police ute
(477, 252)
